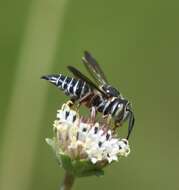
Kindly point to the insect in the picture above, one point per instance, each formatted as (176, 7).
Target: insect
(99, 96)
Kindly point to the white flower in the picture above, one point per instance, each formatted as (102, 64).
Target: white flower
(80, 137)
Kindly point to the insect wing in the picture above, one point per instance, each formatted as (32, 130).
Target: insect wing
(93, 68)
(78, 74)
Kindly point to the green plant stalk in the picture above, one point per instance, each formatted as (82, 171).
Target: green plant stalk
(68, 181)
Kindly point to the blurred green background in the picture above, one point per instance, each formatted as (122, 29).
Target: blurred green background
(137, 45)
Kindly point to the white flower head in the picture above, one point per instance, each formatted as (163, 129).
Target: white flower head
(81, 138)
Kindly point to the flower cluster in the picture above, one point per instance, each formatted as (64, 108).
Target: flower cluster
(83, 138)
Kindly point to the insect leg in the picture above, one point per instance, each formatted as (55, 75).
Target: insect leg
(108, 119)
(86, 99)
(116, 125)
(93, 113)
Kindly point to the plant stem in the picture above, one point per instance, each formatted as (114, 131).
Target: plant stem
(67, 182)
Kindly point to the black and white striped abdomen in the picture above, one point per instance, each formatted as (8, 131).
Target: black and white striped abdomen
(108, 106)
(75, 88)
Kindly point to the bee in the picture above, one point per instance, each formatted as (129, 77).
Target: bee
(100, 96)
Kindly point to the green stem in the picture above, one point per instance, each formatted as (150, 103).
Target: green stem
(67, 182)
